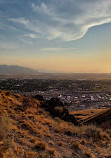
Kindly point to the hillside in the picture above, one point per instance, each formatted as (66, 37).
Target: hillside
(29, 129)
(100, 117)
(14, 70)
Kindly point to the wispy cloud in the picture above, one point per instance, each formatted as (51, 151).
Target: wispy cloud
(30, 35)
(68, 20)
(27, 38)
(57, 49)
(7, 47)
(42, 9)
(27, 23)
(72, 19)
(26, 41)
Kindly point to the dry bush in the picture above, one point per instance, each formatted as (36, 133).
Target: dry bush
(109, 156)
(109, 149)
(44, 155)
(30, 154)
(51, 151)
(40, 145)
(60, 143)
(5, 134)
(9, 154)
(3, 128)
(83, 141)
(94, 132)
(67, 129)
(31, 128)
(108, 131)
(76, 145)
(58, 109)
(89, 154)
(51, 142)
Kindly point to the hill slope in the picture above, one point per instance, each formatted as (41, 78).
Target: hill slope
(100, 117)
(28, 130)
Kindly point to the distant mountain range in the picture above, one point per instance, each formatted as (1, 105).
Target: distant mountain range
(15, 69)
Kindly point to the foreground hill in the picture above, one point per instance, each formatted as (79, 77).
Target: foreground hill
(100, 117)
(28, 129)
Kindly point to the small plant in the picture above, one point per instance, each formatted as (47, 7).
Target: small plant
(51, 151)
(60, 143)
(95, 133)
(76, 144)
(108, 131)
(30, 154)
(51, 142)
(83, 142)
(44, 155)
(40, 145)
(5, 134)
(89, 154)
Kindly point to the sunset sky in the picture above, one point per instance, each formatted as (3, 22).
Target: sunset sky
(56, 35)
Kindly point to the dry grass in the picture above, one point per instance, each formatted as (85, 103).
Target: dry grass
(67, 128)
(95, 133)
(85, 114)
(5, 134)
(76, 145)
(88, 154)
(34, 133)
(40, 145)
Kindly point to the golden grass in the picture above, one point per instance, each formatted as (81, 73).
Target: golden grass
(76, 144)
(40, 145)
(34, 133)
(89, 154)
(85, 114)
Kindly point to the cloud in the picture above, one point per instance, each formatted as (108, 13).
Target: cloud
(27, 23)
(26, 41)
(41, 9)
(67, 20)
(27, 38)
(30, 35)
(57, 49)
(7, 47)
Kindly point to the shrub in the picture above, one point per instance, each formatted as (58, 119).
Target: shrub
(4, 122)
(67, 129)
(38, 97)
(51, 142)
(51, 151)
(88, 154)
(76, 144)
(44, 155)
(108, 131)
(40, 145)
(95, 133)
(30, 154)
(5, 134)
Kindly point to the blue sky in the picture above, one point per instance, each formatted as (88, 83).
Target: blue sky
(63, 36)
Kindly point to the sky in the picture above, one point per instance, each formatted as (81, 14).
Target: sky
(56, 35)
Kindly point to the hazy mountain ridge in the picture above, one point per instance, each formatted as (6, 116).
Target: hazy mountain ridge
(15, 69)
